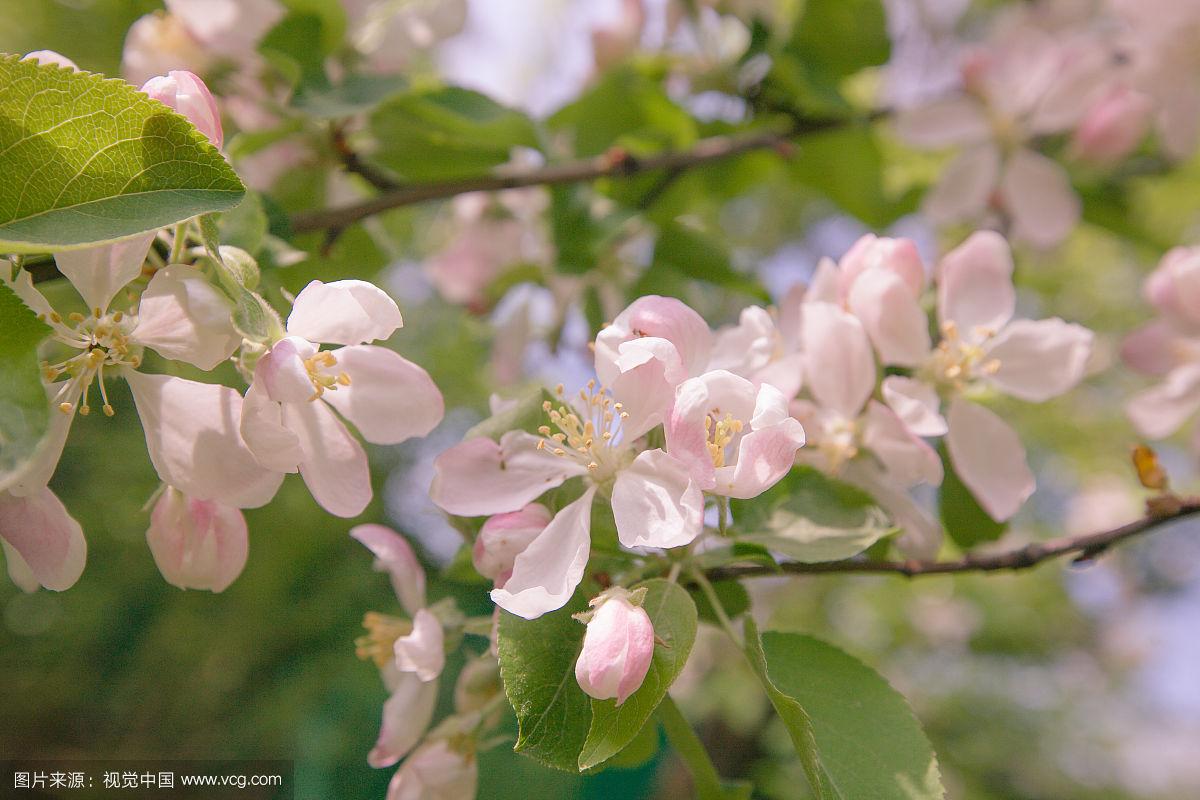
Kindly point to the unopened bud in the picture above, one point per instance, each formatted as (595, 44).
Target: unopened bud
(617, 647)
(187, 94)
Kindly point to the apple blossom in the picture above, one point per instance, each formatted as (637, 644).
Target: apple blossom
(43, 545)
(617, 647)
(505, 536)
(187, 94)
(1113, 126)
(197, 544)
(288, 419)
(435, 771)
(758, 350)
(50, 57)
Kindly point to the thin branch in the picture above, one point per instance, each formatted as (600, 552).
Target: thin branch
(1083, 548)
(615, 163)
(354, 163)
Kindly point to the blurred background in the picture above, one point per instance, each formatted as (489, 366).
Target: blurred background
(1064, 682)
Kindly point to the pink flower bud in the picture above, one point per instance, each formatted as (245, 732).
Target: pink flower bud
(435, 771)
(197, 544)
(874, 252)
(504, 537)
(187, 94)
(617, 647)
(1112, 127)
(50, 57)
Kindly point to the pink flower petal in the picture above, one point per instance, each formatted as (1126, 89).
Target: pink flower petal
(394, 555)
(656, 503)
(343, 312)
(916, 403)
(98, 273)
(840, 364)
(333, 463)
(1040, 359)
(389, 399)
(48, 540)
(989, 458)
(197, 544)
(406, 716)
(975, 289)
(184, 317)
(1038, 196)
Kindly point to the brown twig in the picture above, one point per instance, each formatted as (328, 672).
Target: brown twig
(1084, 548)
(616, 163)
(354, 163)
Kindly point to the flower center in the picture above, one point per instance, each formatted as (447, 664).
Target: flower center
(379, 643)
(587, 428)
(718, 433)
(104, 341)
(839, 441)
(316, 364)
(956, 361)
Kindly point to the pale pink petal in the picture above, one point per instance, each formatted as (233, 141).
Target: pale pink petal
(617, 650)
(98, 273)
(1039, 359)
(839, 362)
(192, 434)
(1039, 198)
(333, 463)
(1113, 126)
(435, 771)
(48, 540)
(229, 27)
(197, 544)
(906, 457)
(649, 370)
(916, 404)
(898, 257)
(503, 537)
(50, 57)
(184, 317)
(975, 288)
(19, 572)
(714, 394)
(1179, 118)
(481, 477)
(1174, 287)
(186, 93)
(546, 573)
(965, 187)
(764, 456)
(343, 312)
(662, 317)
(283, 372)
(261, 425)
(656, 503)
(389, 399)
(406, 716)
(748, 346)
(1151, 349)
(424, 650)
(989, 458)
(394, 555)
(35, 473)
(824, 286)
(1159, 411)
(892, 316)
(945, 123)
(921, 536)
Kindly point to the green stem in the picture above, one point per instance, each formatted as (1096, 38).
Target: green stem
(719, 610)
(689, 747)
(723, 516)
(180, 242)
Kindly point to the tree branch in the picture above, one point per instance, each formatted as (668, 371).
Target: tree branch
(1084, 548)
(615, 163)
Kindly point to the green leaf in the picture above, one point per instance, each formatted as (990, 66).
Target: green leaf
(93, 160)
(537, 665)
(246, 225)
(732, 595)
(577, 236)
(525, 414)
(24, 410)
(869, 742)
(253, 318)
(836, 38)
(643, 748)
(626, 108)
(447, 133)
(810, 517)
(846, 166)
(614, 727)
(296, 46)
(702, 258)
(354, 95)
(963, 518)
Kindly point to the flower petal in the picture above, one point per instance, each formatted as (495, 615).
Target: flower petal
(945, 123)
(916, 403)
(197, 544)
(650, 369)
(1151, 349)
(1159, 411)
(839, 363)
(481, 477)
(764, 457)
(343, 312)
(261, 426)
(989, 458)
(892, 317)
(424, 650)
(37, 471)
(406, 717)
(1038, 196)
(661, 317)
(905, 456)
(192, 434)
(48, 540)
(333, 463)
(98, 273)
(394, 555)
(282, 372)
(1040, 359)
(975, 288)
(965, 187)
(656, 503)
(184, 317)
(389, 399)
(546, 573)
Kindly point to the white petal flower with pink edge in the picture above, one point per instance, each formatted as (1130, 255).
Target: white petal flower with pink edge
(288, 420)
(43, 545)
(435, 771)
(197, 544)
(617, 646)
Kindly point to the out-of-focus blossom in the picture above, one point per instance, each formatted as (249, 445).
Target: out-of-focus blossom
(43, 545)
(288, 419)
(617, 647)
(614, 40)
(391, 34)
(197, 544)
(1112, 127)
(187, 94)
(435, 771)
(158, 43)
(395, 556)
(50, 57)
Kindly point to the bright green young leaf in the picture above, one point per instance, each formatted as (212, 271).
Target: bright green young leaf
(92, 160)
(810, 517)
(614, 727)
(869, 743)
(447, 133)
(24, 410)
(537, 665)
(963, 518)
